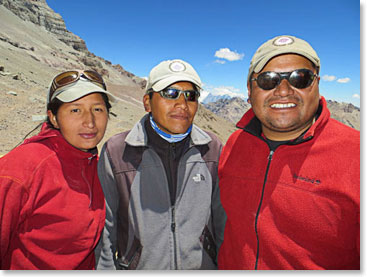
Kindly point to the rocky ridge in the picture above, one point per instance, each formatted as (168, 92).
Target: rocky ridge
(233, 109)
(34, 46)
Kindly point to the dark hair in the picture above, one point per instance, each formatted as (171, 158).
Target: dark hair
(55, 105)
(150, 93)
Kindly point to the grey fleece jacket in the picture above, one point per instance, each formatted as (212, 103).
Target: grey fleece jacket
(142, 229)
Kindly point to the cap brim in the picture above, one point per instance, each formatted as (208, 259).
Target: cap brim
(162, 84)
(271, 55)
(79, 89)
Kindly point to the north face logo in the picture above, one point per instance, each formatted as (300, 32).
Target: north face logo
(198, 177)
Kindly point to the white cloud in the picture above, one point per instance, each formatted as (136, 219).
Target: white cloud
(343, 80)
(227, 54)
(356, 95)
(220, 61)
(328, 78)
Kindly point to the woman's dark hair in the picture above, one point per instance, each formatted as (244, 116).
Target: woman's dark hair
(55, 105)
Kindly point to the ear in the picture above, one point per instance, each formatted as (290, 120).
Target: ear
(146, 102)
(248, 93)
(53, 120)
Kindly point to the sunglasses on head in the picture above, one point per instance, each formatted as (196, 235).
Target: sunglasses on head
(174, 93)
(299, 78)
(68, 77)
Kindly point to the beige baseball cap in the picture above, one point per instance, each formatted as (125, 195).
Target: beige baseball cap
(169, 72)
(281, 45)
(76, 90)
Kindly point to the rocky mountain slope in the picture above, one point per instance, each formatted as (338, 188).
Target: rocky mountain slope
(233, 109)
(34, 46)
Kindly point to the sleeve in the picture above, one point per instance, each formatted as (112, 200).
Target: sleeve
(218, 214)
(13, 196)
(107, 246)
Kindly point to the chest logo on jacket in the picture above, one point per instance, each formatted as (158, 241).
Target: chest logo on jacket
(307, 179)
(198, 177)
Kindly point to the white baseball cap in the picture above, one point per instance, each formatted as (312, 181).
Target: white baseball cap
(169, 72)
(76, 90)
(282, 45)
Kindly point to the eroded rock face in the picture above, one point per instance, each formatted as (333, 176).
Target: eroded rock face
(39, 13)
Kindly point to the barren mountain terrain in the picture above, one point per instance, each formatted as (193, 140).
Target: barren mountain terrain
(233, 109)
(34, 46)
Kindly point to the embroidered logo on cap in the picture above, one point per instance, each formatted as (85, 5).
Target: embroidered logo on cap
(177, 67)
(283, 41)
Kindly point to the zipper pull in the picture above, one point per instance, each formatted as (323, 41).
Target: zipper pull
(90, 160)
(270, 157)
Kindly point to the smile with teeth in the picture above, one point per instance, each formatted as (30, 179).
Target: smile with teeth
(283, 105)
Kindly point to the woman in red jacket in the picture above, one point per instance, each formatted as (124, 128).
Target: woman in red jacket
(52, 207)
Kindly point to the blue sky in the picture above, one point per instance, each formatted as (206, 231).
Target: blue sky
(219, 37)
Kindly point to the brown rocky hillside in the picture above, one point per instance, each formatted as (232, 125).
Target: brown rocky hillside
(34, 46)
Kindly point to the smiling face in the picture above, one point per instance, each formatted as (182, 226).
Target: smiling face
(285, 112)
(82, 122)
(172, 116)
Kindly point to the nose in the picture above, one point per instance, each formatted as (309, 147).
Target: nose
(284, 89)
(89, 120)
(181, 102)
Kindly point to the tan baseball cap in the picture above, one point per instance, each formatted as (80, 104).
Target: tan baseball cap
(76, 90)
(169, 72)
(282, 45)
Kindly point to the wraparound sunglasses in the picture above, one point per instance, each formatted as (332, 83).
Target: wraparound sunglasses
(299, 78)
(173, 94)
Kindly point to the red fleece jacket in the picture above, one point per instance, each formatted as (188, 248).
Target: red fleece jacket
(52, 207)
(298, 209)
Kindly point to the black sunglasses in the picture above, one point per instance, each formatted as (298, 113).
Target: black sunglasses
(174, 93)
(299, 78)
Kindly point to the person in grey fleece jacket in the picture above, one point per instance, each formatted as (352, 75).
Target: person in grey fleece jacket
(160, 182)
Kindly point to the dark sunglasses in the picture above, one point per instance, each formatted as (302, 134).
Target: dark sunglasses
(68, 77)
(299, 78)
(173, 94)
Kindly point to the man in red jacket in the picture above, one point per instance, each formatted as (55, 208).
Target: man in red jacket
(289, 178)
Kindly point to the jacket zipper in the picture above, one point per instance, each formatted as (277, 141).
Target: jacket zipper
(173, 229)
(172, 156)
(259, 207)
(86, 180)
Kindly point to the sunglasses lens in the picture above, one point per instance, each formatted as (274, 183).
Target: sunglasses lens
(66, 78)
(93, 76)
(301, 78)
(191, 95)
(170, 93)
(268, 80)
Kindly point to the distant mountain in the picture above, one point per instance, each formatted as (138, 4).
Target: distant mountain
(233, 109)
(206, 97)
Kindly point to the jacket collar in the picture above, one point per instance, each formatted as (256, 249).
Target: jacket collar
(54, 140)
(138, 135)
(251, 124)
